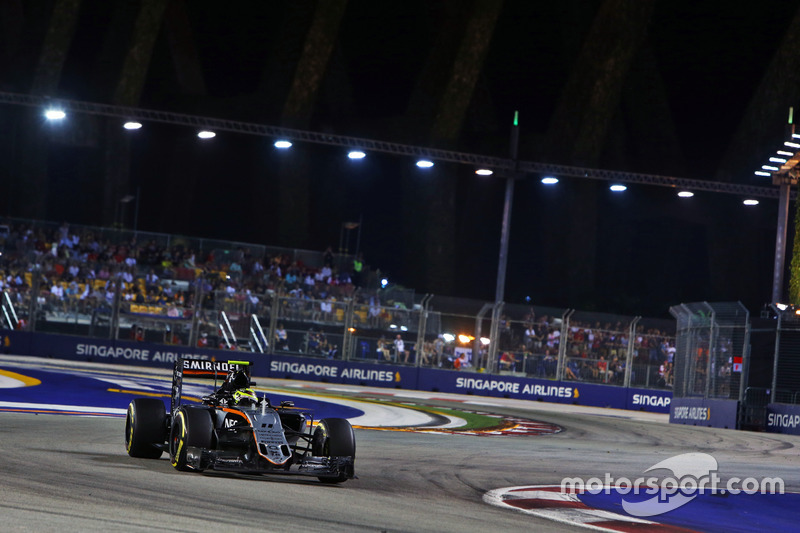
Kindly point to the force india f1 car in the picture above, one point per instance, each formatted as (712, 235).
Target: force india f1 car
(233, 430)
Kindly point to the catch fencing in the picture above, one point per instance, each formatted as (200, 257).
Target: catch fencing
(786, 364)
(445, 333)
(712, 350)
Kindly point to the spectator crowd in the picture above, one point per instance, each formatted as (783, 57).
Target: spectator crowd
(73, 271)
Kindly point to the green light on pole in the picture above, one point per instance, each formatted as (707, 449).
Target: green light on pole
(791, 113)
(516, 118)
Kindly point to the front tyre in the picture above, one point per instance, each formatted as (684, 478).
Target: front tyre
(145, 427)
(334, 437)
(190, 427)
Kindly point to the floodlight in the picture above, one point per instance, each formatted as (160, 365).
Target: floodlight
(55, 114)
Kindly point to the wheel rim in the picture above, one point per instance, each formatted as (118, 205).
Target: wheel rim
(176, 442)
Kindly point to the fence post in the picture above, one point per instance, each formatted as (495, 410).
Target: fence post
(629, 355)
(563, 342)
(712, 338)
(476, 344)
(347, 339)
(744, 377)
(113, 327)
(194, 331)
(774, 390)
(36, 281)
(423, 323)
(273, 318)
(494, 335)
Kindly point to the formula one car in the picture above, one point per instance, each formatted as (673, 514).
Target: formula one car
(236, 431)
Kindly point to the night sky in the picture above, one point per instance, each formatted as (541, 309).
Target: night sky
(652, 249)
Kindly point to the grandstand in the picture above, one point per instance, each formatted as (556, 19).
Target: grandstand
(170, 289)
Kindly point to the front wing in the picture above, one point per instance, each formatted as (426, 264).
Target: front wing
(202, 459)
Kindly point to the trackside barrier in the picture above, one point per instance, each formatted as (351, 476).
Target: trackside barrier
(544, 390)
(100, 350)
(783, 418)
(708, 412)
(344, 372)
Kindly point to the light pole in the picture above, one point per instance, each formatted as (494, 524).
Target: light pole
(785, 183)
(505, 231)
(784, 176)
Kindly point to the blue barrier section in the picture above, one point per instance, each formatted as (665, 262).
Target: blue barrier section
(16, 342)
(783, 418)
(657, 401)
(111, 351)
(709, 511)
(704, 412)
(345, 372)
(348, 372)
(571, 392)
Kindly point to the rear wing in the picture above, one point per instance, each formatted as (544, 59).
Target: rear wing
(216, 370)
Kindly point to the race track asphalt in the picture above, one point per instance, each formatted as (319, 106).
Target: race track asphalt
(71, 473)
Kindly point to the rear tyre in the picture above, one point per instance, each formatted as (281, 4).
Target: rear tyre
(334, 437)
(190, 427)
(145, 427)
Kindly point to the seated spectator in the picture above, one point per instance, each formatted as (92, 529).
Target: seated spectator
(400, 350)
(427, 353)
(616, 371)
(151, 280)
(571, 371)
(383, 349)
(602, 369)
(508, 361)
(313, 342)
(549, 363)
(281, 338)
(235, 270)
(326, 308)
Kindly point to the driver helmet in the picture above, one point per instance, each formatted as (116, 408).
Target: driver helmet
(245, 397)
(237, 379)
